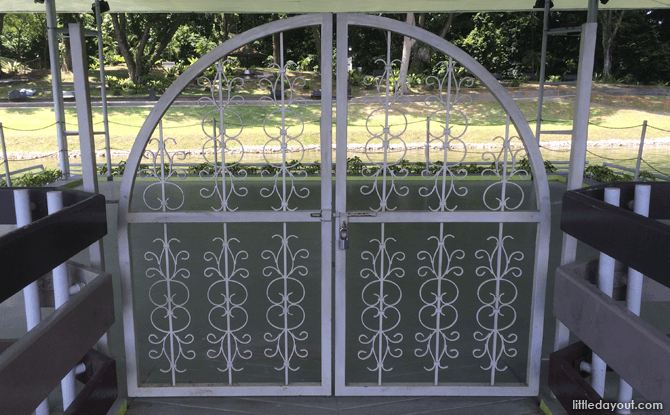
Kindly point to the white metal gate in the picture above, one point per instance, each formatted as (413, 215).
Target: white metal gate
(227, 274)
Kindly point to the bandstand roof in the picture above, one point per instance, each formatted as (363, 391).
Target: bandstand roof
(312, 6)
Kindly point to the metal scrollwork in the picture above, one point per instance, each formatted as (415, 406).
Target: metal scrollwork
(442, 172)
(227, 296)
(438, 293)
(384, 174)
(162, 170)
(290, 126)
(169, 295)
(286, 294)
(505, 166)
(223, 134)
(381, 297)
(497, 314)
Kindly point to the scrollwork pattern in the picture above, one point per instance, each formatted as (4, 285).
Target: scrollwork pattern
(388, 95)
(282, 96)
(162, 169)
(381, 297)
(224, 135)
(497, 313)
(227, 295)
(438, 294)
(286, 293)
(442, 173)
(504, 167)
(169, 295)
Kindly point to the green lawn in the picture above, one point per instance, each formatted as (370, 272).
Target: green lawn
(486, 120)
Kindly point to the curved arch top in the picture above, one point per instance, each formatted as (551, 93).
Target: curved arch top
(501, 95)
(188, 76)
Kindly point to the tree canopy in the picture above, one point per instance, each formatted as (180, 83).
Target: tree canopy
(633, 47)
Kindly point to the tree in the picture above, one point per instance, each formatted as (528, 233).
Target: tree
(2, 23)
(610, 26)
(142, 38)
(407, 45)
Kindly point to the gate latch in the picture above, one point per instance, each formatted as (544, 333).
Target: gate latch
(344, 236)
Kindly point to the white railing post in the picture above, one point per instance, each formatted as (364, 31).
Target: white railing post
(103, 89)
(4, 157)
(606, 285)
(61, 295)
(639, 154)
(31, 292)
(635, 278)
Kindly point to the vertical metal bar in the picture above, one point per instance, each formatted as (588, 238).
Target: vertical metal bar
(580, 127)
(543, 65)
(57, 87)
(103, 90)
(31, 292)
(340, 198)
(326, 129)
(86, 142)
(61, 295)
(592, 15)
(634, 289)
(606, 285)
(216, 150)
(8, 179)
(427, 141)
(639, 153)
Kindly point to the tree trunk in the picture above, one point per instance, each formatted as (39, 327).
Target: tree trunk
(407, 45)
(276, 49)
(610, 30)
(2, 48)
(119, 24)
(224, 28)
(317, 41)
(447, 25)
(66, 19)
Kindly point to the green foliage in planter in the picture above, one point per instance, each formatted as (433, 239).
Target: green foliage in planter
(35, 179)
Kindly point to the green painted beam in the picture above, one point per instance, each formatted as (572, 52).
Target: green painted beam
(316, 6)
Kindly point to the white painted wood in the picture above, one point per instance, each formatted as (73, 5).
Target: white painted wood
(580, 128)
(86, 139)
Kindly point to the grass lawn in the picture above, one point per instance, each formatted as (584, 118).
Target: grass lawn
(486, 120)
(30, 129)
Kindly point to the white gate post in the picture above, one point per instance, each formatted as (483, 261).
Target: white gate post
(86, 143)
(580, 130)
(639, 153)
(8, 179)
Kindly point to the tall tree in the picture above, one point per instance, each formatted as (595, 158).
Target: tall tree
(142, 38)
(407, 45)
(610, 26)
(2, 23)
(66, 19)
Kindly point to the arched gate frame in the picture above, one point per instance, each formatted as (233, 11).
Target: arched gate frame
(227, 277)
